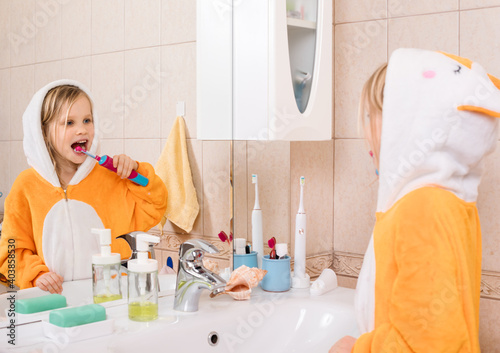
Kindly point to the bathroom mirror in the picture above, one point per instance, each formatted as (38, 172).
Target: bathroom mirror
(293, 61)
(302, 32)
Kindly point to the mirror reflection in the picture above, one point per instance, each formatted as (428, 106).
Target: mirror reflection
(301, 28)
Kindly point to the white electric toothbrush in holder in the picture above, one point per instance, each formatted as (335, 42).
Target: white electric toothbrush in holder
(300, 278)
(257, 241)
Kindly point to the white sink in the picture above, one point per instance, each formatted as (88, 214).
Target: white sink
(292, 321)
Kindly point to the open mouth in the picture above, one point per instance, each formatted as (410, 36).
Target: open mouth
(82, 144)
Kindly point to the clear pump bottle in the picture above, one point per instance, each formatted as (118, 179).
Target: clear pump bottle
(143, 282)
(106, 272)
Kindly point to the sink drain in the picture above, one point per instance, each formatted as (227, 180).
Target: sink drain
(213, 338)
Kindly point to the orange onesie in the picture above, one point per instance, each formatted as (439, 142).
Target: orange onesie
(418, 290)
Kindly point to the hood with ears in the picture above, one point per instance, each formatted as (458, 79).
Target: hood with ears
(34, 144)
(439, 121)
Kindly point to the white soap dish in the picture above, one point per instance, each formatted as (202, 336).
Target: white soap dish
(326, 282)
(78, 333)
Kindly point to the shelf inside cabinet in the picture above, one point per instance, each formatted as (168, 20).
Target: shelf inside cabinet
(296, 23)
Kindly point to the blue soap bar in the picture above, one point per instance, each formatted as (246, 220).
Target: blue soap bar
(76, 316)
(35, 305)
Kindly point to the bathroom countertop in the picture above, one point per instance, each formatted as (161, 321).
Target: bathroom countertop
(313, 321)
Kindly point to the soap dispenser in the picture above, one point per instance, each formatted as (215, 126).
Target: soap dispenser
(143, 281)
(106, 272)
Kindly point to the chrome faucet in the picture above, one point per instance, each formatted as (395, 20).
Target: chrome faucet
(192, 277)
(130, 239)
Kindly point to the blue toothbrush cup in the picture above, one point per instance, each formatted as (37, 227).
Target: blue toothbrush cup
(249, 260)
(278, 277)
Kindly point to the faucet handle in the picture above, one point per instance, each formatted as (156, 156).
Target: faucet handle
(197, 243)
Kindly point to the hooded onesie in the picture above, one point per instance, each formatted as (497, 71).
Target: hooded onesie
(418, 289)
(46, 228)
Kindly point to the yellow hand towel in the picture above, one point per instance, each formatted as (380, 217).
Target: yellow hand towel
(174, 169)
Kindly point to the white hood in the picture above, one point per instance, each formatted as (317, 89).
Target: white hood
(426, 139)
(34, 144)
(439, 121)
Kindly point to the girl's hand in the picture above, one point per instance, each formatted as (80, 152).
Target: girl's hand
(344, 345)
(124, 165)
(51, 282)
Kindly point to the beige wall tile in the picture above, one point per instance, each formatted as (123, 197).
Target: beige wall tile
(347, 282)
(409, 7)
(355, 196)
(216, 187)
(489, 322)
(487, 203)
(76, 28)
(5, 33)
(18, 161)
(271, 162)
(107, 90)
(477, 29)
(420, 32)
(22, 83)
(108, 26)
(48, 35)
(142, 93)
(161, 257)
(112, 147)
(178, 80)
(5, 183)
(314, 161)
(143, 150)
(241, 203)
(359, 10)
(178, 21)
(475, 4)
(195, 155)
(360, 48)
(46, 73)
(78, 69)
(142, 23)
(23, 32)
(5, 105)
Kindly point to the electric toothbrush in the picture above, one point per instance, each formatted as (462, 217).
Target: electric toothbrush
(300, 278)
(257, 242)
(107, 162)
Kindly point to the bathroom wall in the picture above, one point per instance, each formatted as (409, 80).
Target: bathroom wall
(138, 61)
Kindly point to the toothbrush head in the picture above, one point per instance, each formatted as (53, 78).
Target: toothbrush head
(302, 180)
(254, 178)
(80, 149)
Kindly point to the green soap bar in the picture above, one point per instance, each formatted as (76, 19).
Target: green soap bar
(35, 305)
(76, 316)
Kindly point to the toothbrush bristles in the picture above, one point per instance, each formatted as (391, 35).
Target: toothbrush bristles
(254, 178)
(302, 180)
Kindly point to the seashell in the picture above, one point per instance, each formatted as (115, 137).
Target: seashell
(211, 265)
(242, 280)
(243, 295)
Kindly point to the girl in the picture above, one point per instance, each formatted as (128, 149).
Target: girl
(52, 206)
(418, 290)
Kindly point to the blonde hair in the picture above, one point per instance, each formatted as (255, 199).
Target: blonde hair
(371, 102)
(52, 109)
